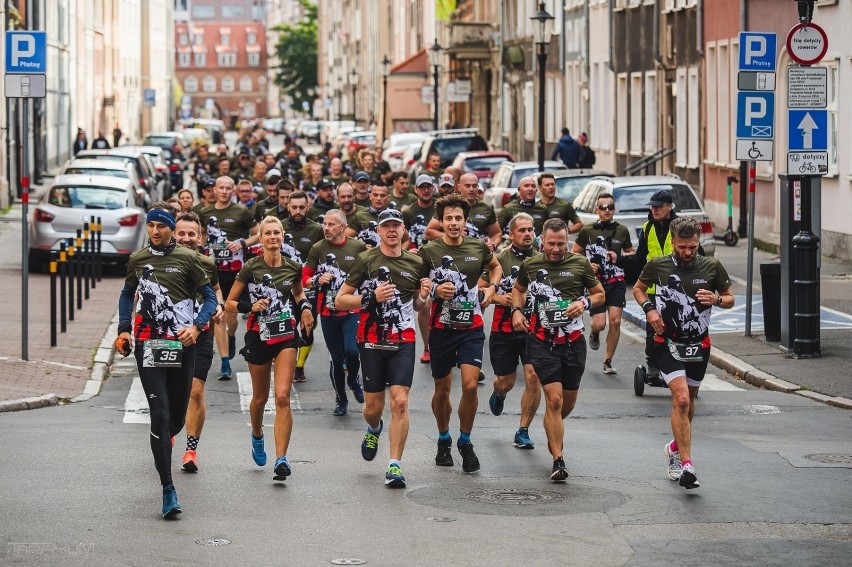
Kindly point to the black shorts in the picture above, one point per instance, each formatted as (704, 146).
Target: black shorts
(226, 282)
(449, 348)
(615, 293)
(563, 363)
(505, 349)
(671, 368)
(203, 355)
(259, 352)
(383, 368)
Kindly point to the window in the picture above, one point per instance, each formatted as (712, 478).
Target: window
(227, 84)
(529, 111)
(225, 38)
(198, 39)
(693, 119)
(713, 95)
(507, 109)
(190, 84)
(723, 103)
(254, 59)
(183, 39)
(636, 113)
(203, 12)
(651, 112)
(200, 59)
(252, 38)
(245, 84)
(832, 116)
(621, 114)
(183, 59)
(232, 12)
(680, 117)
(209, 84)
(227, 59)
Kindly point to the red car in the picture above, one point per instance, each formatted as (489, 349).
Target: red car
(483, 164)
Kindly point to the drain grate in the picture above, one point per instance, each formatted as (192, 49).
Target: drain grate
(830, 459)
(515, 497)
(213, 541)
(348, 561)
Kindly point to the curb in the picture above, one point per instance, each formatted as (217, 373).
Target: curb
(29, 403)
(100, 368)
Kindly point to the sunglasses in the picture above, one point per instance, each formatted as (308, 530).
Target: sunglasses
(606, 207)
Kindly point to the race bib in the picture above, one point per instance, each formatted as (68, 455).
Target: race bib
(277, 327)
(160, 353)
(329, 298)
(458, 314)
(686, 352)
(553, 314)
(311, 294)
(221, 252)
(381, 346)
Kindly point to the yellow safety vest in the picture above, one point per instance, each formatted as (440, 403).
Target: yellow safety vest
(654, 250)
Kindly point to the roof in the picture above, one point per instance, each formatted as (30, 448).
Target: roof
(94, 180)
(636, 180)
(98, 164)
(417, 64)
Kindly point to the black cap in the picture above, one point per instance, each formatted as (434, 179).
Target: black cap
(660, 198)
(209, 182)
(389, 215)
(325, 183)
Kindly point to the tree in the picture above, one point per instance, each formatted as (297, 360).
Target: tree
(297, 57)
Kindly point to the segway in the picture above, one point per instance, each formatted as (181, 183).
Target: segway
(731, 237)
(642, 376)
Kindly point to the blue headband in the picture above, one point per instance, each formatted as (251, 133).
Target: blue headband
(159, 215)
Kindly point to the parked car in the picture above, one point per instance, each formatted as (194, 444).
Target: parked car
(448, 144)
(394, 147)
(274, 125)
(310, 130)
(161, 168)
(173, 141)
(631, 197)
(214, 127)
(109, 168)
(482, 164)
(72, 200)
(144, 169)
(504, 184)
(195, 137)
(331, 128)
(177, 166)
(359, 141)
(570, 182)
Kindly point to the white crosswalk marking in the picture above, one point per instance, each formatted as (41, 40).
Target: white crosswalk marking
(714, 384)
(244, 383)
(136, 406)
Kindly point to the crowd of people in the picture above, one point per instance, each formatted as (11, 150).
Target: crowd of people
(373, 260)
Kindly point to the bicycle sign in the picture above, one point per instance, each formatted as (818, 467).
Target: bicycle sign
(755, 150)
(807, 163)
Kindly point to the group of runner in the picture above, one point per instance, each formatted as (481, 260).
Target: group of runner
(365, 272)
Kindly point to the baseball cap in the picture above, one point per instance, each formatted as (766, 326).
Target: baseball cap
(325, 183)
(273, 171)
(660, 198)
(390, 215)
(423, 179)
(209, 182)
(361, 176)
(447, 179)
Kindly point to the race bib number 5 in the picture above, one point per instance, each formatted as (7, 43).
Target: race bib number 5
(158, 353)
(277, 327)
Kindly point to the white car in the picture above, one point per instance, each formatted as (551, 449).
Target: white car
(396, 144)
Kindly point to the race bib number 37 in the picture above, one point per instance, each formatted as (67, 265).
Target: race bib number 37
(686, 352)
(158, 353)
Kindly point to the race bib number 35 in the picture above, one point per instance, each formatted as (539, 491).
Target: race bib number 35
(158, 353)
(554, 314)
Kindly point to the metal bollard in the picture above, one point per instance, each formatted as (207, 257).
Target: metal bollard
(63, 269)
(100, 228)
(93, 260)
(53, 269)
(87, 265)
(71, 269)
(78, 267)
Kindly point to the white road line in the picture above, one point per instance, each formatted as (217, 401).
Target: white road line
(714, 384)
(244, 382)
(136, 406)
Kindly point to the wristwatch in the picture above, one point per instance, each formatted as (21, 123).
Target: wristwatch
(719, 300)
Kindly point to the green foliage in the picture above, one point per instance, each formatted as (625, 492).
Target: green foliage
(297, 57)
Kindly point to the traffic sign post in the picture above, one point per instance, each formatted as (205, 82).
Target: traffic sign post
(807, 44)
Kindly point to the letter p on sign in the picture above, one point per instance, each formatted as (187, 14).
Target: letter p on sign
(23, 47)
(755, 48)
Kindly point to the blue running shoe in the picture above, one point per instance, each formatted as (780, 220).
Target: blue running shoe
(495, 402)
(171, 506)
(225, 372)
(258, 451)
(370, 444)
(340, 410)
(282, 469)
(394, 478)
(522, 440)
(357, 390)
(232, 346)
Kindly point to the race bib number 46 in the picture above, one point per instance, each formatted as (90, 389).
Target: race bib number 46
(458, 314)
(158, 353)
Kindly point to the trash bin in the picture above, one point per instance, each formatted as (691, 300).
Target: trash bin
(770, 281)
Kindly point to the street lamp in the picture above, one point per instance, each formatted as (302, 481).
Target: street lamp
(386, 62)
(435, 62)
(353, 80)
(339, 92)
(542, 38)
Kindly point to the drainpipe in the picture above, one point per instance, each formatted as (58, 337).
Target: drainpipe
(700, 27)
(742, 224)
(611, 57)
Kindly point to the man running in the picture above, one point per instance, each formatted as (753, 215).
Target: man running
(557, 208)
(606, 244)
(417, 217)
(208, 195)
(525, 203)
(167, 279)
(363, 224)
(688, 285)
(400, 196)
(557, 281)
(457, 264)
(481, 223)
(324, 201)
(361, 184)
(391, 284)
(506, 345)
(346, 201)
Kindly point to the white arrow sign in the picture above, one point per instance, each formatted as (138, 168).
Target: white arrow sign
(807, 127)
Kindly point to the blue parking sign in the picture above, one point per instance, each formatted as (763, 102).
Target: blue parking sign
(756, 115)
(26, 52)
(808, 130)
(757, 51)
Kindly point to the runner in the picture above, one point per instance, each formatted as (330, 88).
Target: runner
(417, 216)
(275, 289)
(482, 222)
(167, 279)
(391, 285)
(208, 195)
(606, 244)
(688, 286)
(346, 201)
(328, 264)
(363, 224)
(400, 196)
(361, 184)
(230, 230)
(457, 265)
(557, 208)
(506, 345)
(556, 280)
(525, 203)
(188, 235)
(324, 201)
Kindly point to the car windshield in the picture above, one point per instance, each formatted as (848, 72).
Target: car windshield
(485, 163)
(120, 173)
(449, 148)
(87, 197)
(635, 199)
(569, 187)
(158, 141)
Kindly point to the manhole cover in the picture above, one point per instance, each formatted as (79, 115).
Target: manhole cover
(348, 561)
(515, 497)
(213, 541)
(441, 519)
(829, 459)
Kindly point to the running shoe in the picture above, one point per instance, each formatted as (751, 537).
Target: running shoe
(340, 410)
(444, 458)
(470, 462)
(358, 391)
(495, 402)
(171, 506)
(190, 461)
(522, 440)
(675, 466)
(299, 375)
(688, 479)
(594, 341)
(607, 367)
(282, 469)
(225, 372)
(559, 473)
(425, 358)
(394, 478)
(232, 346)
(258, 450)
(370, 444)
(481, 377)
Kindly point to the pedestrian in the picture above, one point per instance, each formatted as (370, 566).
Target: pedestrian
(606, 244)
(456, 266)
(562, 286)
(188, 235)
(525, 203)
(163, 334)
(557, 208)
(363, 224)
(346, 201)
(80, 142)
(688, 287)
(275, 291)
(116, 136)
(567, 150)
(587, 155)
(417, 216)
(391, 284)
(482, 220)
(100, 143)
(327, 266)
(324, 201)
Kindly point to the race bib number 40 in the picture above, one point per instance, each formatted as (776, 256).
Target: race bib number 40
(222, 252)
(554, 314)
(159, 353)
(277, 327)
(458, 314)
